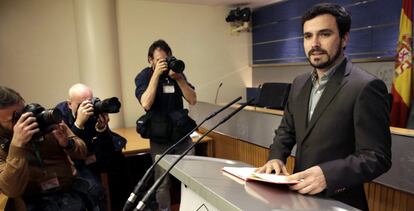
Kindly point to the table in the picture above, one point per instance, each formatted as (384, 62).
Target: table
(136, 144)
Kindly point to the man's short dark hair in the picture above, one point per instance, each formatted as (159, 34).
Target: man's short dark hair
(9, 97)
(161, 44)
(343, 19)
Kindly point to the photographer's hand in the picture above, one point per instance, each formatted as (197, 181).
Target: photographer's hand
(24, 129)
(176, 76)
(85, 111)
(61, 135)
(188, 92)
(160, 67)
(102, 122)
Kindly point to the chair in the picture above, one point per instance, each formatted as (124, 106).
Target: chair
(274, 95)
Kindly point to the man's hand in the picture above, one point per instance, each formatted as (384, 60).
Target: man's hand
(274, 164)
(175, 76)
(102, 122)
(85, 111)
(160, 67)
(60, 132)
(312, 181)
(24, 129)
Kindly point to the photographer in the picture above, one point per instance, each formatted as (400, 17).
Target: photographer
(90, 123)
(160, 90)
(35, 165)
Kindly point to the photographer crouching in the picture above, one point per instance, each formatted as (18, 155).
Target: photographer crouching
(87, 116)
(36, 148)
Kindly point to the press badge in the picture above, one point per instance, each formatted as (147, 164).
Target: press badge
(50, 183)
(168, 89)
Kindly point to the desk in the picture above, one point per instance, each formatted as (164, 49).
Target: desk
(137, 144)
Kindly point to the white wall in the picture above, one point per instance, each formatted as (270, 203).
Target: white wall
(39, 56)
(38, 53)
(198, 35)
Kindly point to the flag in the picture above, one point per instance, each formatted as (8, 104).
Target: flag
(401, 86)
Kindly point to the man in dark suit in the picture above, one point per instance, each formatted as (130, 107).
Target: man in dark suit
(337, 116)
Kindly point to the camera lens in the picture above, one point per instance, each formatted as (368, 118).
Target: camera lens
(109, 105)
(174, 64)
(46, 119)
(50, 117)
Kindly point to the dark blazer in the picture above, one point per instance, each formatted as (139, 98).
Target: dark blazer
(348, 135)
(100, 144)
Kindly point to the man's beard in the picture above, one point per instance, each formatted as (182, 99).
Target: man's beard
(6, 133)
(330, 60)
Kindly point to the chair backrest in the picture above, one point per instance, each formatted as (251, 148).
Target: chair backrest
(253, 93)
(274, 95)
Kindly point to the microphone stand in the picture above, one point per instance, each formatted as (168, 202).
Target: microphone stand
(257, 96)
(141, 205)
(132, 197)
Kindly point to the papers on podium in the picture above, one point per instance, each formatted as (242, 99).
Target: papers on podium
(248, 174)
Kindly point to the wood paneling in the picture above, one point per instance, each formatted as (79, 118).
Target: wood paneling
(379, 197)
(234, 149)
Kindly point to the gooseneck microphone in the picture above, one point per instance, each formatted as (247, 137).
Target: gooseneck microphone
(257, 96)
(132, 197)
(141, 204)
(217, 92)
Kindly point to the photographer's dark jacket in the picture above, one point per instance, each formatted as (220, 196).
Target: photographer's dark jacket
(99, 144)
(163, 103)
(21, 174)
(166, 106)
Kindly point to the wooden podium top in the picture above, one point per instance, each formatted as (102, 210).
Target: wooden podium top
(137, 144)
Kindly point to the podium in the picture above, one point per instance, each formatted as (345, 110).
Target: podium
(205, 187)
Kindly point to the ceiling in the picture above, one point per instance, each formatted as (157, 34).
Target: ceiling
(228, 3)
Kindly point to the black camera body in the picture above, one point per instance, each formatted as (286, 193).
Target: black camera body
(109, 105)
(175, 64)
(45, 118)
(238, 14)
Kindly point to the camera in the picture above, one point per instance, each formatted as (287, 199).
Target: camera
(239, 15)
(175, 64)
(45, 118)
(109, 105)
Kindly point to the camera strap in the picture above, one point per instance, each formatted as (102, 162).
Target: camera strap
(37, 154)
(50, 181)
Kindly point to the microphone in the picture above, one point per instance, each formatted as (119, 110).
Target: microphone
(141, 204)
(131, 199)
(217, 92)
(257, 96)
